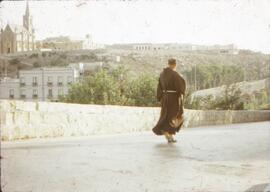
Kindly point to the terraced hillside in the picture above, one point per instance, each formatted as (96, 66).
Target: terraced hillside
(257, 65)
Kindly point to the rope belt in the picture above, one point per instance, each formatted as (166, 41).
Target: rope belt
(169, 91)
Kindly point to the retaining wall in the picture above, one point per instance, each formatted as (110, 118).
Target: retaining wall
(21, 120)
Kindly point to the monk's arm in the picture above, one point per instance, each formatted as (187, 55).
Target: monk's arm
(180, 85)
(159, 91)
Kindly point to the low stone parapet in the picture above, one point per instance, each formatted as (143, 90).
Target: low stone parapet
(22, 120)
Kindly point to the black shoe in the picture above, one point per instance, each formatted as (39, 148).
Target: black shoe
(172, 141)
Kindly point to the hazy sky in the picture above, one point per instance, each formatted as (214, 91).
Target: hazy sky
(245, 23)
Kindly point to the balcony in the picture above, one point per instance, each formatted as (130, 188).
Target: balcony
(50, 84)
(34, 84)
(22, 84)
(60, 84)
(34, 96)
(23, 96)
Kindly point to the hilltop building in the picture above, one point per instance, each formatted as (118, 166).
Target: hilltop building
(62, 43)
(156, 47)
(65, 43)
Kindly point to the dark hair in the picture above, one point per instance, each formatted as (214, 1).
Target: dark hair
(171, 61)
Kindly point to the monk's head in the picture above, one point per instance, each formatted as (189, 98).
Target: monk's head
(172, 63)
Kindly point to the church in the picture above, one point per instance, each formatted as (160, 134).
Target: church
(17, 38)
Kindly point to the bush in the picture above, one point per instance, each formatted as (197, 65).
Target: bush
(231, 98)
(34, 55)
(36, 64)
(63, 56)
(57, 61)
(14, 61)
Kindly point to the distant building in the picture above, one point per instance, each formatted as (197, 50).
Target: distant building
(118, 58)
(42, 84)
(63, 43)
(221, 49)
(88, 43)
(9, 88)
(86, 67)
(148, 47)
(16, 38)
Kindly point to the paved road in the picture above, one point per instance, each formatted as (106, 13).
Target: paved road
(217, 158)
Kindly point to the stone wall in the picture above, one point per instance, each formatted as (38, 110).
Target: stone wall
(21, 120)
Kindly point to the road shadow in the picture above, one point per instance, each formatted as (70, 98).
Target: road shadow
(167, 150)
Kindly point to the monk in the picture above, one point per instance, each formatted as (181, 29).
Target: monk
(170, 92)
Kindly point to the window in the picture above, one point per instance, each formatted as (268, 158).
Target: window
(60, 91)
(50, 78)
(50, 94)
(69, 80)
(11, 93)
(23, 95)
(34, 81)
(35, 93)
(60, 80)
(22, 81)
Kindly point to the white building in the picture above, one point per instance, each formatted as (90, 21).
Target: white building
(149, 47)
(9, 88)
(86, 67)
(44, 84)
(221, 49)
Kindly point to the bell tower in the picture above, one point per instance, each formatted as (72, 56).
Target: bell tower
(27, 19)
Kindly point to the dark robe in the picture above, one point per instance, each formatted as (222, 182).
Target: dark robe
(171, 102)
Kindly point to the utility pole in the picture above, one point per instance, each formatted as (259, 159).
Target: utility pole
(42, 84)
(195, 77)
(5, 64)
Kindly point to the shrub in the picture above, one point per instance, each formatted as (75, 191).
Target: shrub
(36, 64)
(34, 55)
(14, 61)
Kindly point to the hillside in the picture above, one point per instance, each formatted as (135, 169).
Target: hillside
(256, 65)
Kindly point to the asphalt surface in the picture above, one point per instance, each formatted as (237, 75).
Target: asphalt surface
(215, 158)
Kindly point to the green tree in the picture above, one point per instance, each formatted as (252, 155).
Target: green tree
(213, 75)
(142, 90)
(115, 88)
(98, 89)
